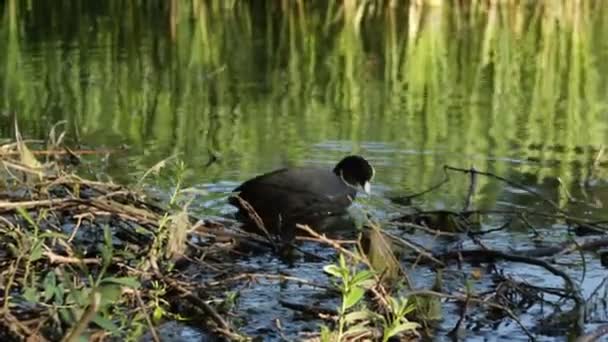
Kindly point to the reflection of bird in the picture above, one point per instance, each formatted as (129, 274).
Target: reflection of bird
(304, 195)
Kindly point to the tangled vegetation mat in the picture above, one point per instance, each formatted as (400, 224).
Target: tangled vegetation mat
(85, 259)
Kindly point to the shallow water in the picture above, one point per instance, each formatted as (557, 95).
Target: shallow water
(236, 91)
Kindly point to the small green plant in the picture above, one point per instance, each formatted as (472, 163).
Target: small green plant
(69, 298)
(396, 322)
(170, 237)
(352, 286)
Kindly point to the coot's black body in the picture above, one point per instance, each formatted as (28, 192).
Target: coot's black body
(303, 195)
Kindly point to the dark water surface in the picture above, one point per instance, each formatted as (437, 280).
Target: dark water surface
(237, 88)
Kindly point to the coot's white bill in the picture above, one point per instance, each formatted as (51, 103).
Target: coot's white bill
(367, 188)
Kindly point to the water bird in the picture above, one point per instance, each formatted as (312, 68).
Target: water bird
(301, 195)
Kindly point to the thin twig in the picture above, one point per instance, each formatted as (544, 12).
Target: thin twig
(142, 306)
(86, 318)
(510, 182)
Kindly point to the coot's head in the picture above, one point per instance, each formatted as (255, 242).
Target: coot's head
(356, 171)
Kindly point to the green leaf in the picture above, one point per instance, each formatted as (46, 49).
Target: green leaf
(36, 252)
(80, 296)
(31, 294)
(27, 216)
(393, 304)
(59, 293)
(27, 157)
(377, 317)
(125, 281)
(333, 270)
(105, 324)
(109, 294)
(52, 235)
(326, 335)
(66, 316)
(84, 337)
(353, 297)
(406, 309)
(356, 316)
(342, 261)
(368, 283)
(158, 314)
(107, 250)
(361, 277)
(357, 329)
(393, 331)
(49, 282)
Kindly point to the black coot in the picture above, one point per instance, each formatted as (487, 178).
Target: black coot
(304, 195)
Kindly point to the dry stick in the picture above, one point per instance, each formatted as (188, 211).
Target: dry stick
(413, 246)
(423, 228)
(240, 236)
(79, 218)
(13, 145)
(279, 326)
(328, 241)
(9, 283)
(7, 222)
(11, 322)
(510, 182)
(5, 206)
(93, 184)
(60, 259)
(19, 167)
(253, 215)
(127, 211)
(38, 324)
(147, 316)
(61, 152)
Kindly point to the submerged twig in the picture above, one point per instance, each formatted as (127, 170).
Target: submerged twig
(508, 181)
(472, 188)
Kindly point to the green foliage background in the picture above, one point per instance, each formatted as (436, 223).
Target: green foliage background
(503, 85)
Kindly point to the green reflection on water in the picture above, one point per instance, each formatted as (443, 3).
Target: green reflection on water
(264, 84)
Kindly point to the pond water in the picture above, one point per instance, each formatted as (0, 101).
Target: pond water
(237, 88)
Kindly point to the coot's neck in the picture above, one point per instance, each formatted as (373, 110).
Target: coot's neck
(348, 182)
